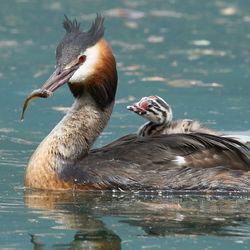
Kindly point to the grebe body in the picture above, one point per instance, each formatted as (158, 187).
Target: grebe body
(65, 160)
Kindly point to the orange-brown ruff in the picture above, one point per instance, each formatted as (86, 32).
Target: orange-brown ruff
(64, 159)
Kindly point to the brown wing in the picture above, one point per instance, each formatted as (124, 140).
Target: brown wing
(207, 162)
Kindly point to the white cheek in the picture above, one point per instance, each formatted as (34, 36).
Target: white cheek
(154, 118)
(148, 117)
(88, 67)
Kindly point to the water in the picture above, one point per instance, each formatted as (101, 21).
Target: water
(195, 54)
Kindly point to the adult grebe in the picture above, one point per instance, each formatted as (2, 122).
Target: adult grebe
(64, 160)
(160, 115)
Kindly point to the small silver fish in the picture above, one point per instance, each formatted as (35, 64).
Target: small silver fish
(42, 93)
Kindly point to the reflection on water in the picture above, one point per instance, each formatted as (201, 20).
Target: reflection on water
(165, 215)
(97, 239)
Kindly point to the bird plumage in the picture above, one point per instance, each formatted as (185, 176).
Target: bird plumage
(65, 160)
(159, 115)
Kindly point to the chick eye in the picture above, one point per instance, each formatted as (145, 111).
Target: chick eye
(81, 59)
(155, 105)
(151, 104)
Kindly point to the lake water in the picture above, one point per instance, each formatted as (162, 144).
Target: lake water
(193, 53)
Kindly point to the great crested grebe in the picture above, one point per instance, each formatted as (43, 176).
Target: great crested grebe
(160, 116)
(64, 160)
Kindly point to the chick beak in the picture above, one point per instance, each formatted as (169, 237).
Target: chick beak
(131, 108)
(55, 81)
(136, 109)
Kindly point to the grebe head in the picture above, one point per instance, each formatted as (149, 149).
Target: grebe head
(85, 62)
(78, 52)
(153, 108)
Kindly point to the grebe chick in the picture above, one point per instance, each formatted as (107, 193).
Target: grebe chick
(65, 160)
(160, 115)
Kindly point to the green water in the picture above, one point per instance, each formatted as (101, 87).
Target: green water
(193, 53)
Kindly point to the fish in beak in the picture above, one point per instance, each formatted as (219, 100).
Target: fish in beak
(55, 81)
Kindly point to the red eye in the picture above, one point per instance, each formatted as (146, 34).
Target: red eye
(81, 59)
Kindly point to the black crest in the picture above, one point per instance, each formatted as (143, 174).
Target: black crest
(95, 32)
(76, 40)
(71, 26)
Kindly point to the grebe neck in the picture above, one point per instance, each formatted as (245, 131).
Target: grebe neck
(152, 128)
(68, 142)
(75, 134)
